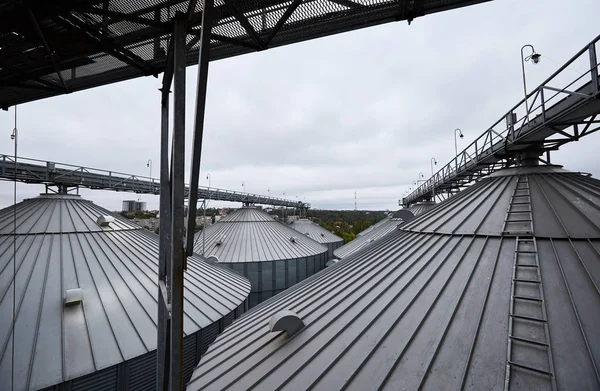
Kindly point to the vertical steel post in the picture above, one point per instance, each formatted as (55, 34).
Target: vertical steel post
(594, 68)
(199, 120)
(162, 372)
(177, 207)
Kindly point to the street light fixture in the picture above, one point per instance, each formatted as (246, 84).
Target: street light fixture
(208, 177)
(535, 58)
(244, 186)
(421, 176)
(455, 143)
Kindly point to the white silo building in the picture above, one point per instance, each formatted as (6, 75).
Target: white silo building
(85, 291)
(271, 255)
(318, 234)
(494, 288)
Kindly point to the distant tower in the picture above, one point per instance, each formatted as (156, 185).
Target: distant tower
(355, 200)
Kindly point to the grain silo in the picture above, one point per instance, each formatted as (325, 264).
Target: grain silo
(271, 255)
(86, 298)
(318, 234)
(379, 230)
(495, 288)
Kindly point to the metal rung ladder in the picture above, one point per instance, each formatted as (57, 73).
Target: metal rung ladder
(529, 353)
(519, 218)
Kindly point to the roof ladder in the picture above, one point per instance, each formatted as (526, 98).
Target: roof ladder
(529, 355)
(519, 218)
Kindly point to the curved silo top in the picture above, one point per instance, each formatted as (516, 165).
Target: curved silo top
(432, 310)
(251, 235)
(421, 207)
(382, 229)
(315, 231)
(545, 200)
(86, 296)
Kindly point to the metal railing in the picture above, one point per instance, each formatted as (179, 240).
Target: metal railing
(29, 170)
(546, 111)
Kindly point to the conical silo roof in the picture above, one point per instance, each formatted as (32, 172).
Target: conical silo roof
(60, 247)
(368, 237)
(318, 234)
(443, 308)
(272, 255)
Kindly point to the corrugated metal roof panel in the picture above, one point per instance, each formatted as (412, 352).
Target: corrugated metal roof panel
(420, 310)
(117, 271)
(417, 310)
(251, 235)
(564, 205)
(421, 207)
(367, 238)
(66, 213)
(316, 232)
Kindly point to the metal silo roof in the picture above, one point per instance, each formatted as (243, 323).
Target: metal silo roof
(440, 310)
(60, 246)
(385, 227)
(316, 232)
(251, 235)
(421, 207)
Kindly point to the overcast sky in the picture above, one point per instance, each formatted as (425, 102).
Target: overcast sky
(362, 111)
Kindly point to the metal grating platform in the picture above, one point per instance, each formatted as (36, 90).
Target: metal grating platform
(51, 48)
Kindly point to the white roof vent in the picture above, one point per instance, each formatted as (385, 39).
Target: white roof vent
(287, 321)
(73, 296)
(212, 259)
(372, 240)
(332, 262)
(307, 233)
(293, 239)
(322, 234)
(104, 221)
(221, 240)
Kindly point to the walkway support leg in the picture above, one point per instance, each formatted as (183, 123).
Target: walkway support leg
(204, 52)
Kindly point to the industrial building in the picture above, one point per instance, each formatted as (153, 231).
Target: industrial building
(318, 234)
(495, 288)
(86, 298)
(133, 206)
(271, 255)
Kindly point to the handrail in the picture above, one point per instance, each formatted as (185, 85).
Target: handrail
(493, 141)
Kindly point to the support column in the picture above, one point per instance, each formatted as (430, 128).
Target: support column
(170, 264)
(204, 51)
(177, 200)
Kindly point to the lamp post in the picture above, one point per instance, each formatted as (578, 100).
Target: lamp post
(433, 162)
(204, 217)
(208, 177)
(456, 145)
(284, 208)
(420, 176)
(535, 58)
(149, 164)
(244, 186)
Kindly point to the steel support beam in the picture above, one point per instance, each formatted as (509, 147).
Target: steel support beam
(203, 54)
(164, 316)
(177, 200)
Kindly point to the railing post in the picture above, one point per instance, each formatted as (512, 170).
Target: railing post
(594, 68)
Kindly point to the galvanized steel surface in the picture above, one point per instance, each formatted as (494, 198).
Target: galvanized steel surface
(116, 267)
(315, 231)
(564, 205)
(251, 235)
(420, 310)
(383, 228)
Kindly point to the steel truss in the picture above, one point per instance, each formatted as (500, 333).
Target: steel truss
(53, 173)
(543, 121)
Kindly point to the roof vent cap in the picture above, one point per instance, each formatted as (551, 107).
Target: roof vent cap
(221, 240)
(372, 240)
(287, 321)
(212, 259)
(332, 262)
(104, 221)
(73, 296)
(322, 234)
(293, 239)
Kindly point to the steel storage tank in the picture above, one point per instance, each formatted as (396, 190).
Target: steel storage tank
(86, 298)
(495, 288)
(271, 255)
(318, 234)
